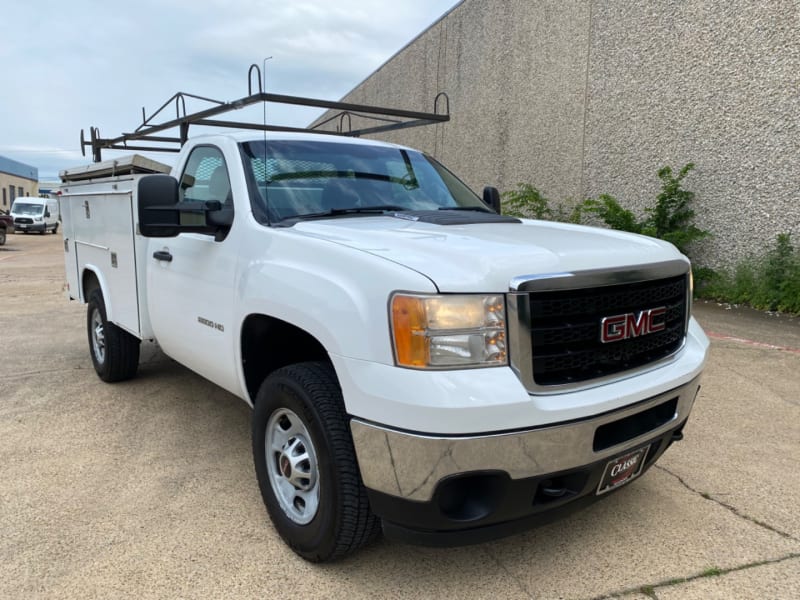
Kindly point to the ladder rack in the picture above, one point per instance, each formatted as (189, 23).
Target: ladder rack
(390, 118)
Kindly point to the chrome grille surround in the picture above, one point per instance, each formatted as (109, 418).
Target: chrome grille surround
(521, 289)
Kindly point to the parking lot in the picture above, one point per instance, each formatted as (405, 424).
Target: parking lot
(146, 489)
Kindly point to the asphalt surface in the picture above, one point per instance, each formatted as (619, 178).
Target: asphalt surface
(146, 489)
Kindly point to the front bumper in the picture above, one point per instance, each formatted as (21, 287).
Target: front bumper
(30, 226)
(463, 489)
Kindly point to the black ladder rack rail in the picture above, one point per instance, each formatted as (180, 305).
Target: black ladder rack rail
(392, 119)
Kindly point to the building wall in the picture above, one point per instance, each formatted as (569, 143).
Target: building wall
(515, 72)
(582, 98)
(16, 179)
(716, 83)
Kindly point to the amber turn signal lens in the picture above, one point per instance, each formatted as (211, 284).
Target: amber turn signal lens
(409, 324)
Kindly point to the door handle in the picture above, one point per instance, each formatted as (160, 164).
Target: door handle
(162, 255)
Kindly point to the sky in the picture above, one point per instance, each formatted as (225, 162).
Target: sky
(72, 65)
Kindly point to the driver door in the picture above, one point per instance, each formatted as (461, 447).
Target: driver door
(191, 280)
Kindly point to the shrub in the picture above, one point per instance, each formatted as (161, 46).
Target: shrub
(610, 211)
(768, 282)
(669, 219)
(528, 202)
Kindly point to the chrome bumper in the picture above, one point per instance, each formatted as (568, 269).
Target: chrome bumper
(411, 465)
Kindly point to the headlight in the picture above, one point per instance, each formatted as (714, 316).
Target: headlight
(38, 219)
(455, 331)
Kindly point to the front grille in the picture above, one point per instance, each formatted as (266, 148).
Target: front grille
(23, 221)
(566, 329)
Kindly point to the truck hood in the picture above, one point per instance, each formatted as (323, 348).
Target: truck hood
(485, 257)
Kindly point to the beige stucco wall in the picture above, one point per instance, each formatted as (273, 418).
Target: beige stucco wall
(716, 83)
(581, 98)
(29, 188)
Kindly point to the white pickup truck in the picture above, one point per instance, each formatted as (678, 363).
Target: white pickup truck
(415, 361)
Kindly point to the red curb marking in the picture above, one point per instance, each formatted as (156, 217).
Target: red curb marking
(730, 338)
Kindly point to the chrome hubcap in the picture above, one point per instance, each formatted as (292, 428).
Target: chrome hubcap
(292, 466)
(98, 337)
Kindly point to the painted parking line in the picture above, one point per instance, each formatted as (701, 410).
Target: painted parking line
(753, 343)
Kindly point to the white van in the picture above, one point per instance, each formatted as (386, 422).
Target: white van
(35, 214)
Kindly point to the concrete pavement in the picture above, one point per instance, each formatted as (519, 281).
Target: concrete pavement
(146, 489)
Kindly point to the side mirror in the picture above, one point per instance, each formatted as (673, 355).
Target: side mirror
(46, 214)
(491, 198)
(158, 206)
(161, 214)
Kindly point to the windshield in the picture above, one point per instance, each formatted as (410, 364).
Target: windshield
(27, 209)
(298, 179)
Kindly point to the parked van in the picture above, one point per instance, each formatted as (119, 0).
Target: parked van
(35, 214)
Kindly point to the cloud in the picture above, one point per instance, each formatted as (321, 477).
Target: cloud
(91, 63)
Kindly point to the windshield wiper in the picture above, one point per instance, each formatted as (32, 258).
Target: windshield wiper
(380, 208)
(336, 212)
(328, 174)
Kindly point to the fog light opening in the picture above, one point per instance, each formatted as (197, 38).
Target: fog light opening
(471, 497)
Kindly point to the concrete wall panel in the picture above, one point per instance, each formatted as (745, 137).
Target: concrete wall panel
(710, 82)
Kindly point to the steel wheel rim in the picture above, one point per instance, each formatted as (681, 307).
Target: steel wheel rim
(292, 466)
(98, 337)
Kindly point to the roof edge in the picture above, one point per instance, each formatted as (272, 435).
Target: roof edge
(406, 46)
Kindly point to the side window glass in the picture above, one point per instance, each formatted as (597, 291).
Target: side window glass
(206, 177)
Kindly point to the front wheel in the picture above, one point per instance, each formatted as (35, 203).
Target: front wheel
(55, 228)
(115, 352)
(2, 236)
(306, 465)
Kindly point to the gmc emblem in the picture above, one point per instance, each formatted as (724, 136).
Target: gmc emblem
(630, 325)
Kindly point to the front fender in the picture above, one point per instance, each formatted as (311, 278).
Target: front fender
(336, 294)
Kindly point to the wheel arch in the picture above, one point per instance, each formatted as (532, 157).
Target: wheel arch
(92, 279)
(268, 343)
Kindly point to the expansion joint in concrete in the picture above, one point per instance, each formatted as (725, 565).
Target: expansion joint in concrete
(651, 590)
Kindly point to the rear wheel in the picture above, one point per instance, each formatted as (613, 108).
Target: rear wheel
(115, 352)
(306, 465)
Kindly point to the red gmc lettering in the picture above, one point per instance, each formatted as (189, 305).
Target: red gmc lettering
(652, 326)
(622, 327)
(614, 329)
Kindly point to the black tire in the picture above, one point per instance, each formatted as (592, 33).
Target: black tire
(2, 235)
(343, 521)
(55, 229)
(115, 352)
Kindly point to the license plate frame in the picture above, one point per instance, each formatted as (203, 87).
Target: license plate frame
(614, 477)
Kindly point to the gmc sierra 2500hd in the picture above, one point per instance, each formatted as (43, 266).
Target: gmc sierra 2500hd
(415, 361)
